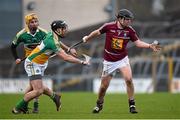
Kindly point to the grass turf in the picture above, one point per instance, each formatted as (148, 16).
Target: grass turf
(79, 105)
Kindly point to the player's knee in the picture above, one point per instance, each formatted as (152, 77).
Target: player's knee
(105, 84)
(129, 82)
(46, 89)
(104, 87)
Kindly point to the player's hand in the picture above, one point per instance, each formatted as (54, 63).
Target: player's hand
(73, 52)
(87, 60)
(155, 46)
(18, 61)
(85, 39)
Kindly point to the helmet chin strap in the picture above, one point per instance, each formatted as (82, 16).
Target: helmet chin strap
(58, 34)
(121, 25)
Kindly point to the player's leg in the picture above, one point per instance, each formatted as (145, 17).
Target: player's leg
(55, 97)
(22, 106)
(36, 105)
(127, 75)
(37, 85)
(105, 80)
(35, 79)
(36, 100)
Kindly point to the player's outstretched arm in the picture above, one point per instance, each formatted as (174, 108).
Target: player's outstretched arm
(70, 58)
(66, 48)
(154, 46)
(91, 35)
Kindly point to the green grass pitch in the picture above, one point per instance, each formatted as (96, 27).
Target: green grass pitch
(79, 105)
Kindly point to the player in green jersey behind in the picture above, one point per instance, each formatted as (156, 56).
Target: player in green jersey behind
(31, 36)
(36, 63)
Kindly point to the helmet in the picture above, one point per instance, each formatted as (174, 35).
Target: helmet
(30, 17)
(124, 13)
(58, 24)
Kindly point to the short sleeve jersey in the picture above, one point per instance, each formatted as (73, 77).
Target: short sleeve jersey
(117, 40)
(42, 52)
(30, 41)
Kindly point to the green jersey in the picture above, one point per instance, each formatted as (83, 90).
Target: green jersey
(47, 47)
(30, 41)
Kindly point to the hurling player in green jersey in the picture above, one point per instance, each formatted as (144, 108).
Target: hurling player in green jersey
(31, 36)
(36, 62)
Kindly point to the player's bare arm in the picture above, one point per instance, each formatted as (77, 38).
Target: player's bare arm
(152, 46)
(70, 58)
(141, 44)
(93, 34)
(66, 48)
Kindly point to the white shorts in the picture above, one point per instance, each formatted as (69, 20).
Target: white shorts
(110, 67)
(33, 69)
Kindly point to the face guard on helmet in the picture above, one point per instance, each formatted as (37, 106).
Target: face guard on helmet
(55, 25)
(58, 24)
(124, 13)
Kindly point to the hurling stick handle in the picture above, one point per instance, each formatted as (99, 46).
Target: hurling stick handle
(75, 45)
